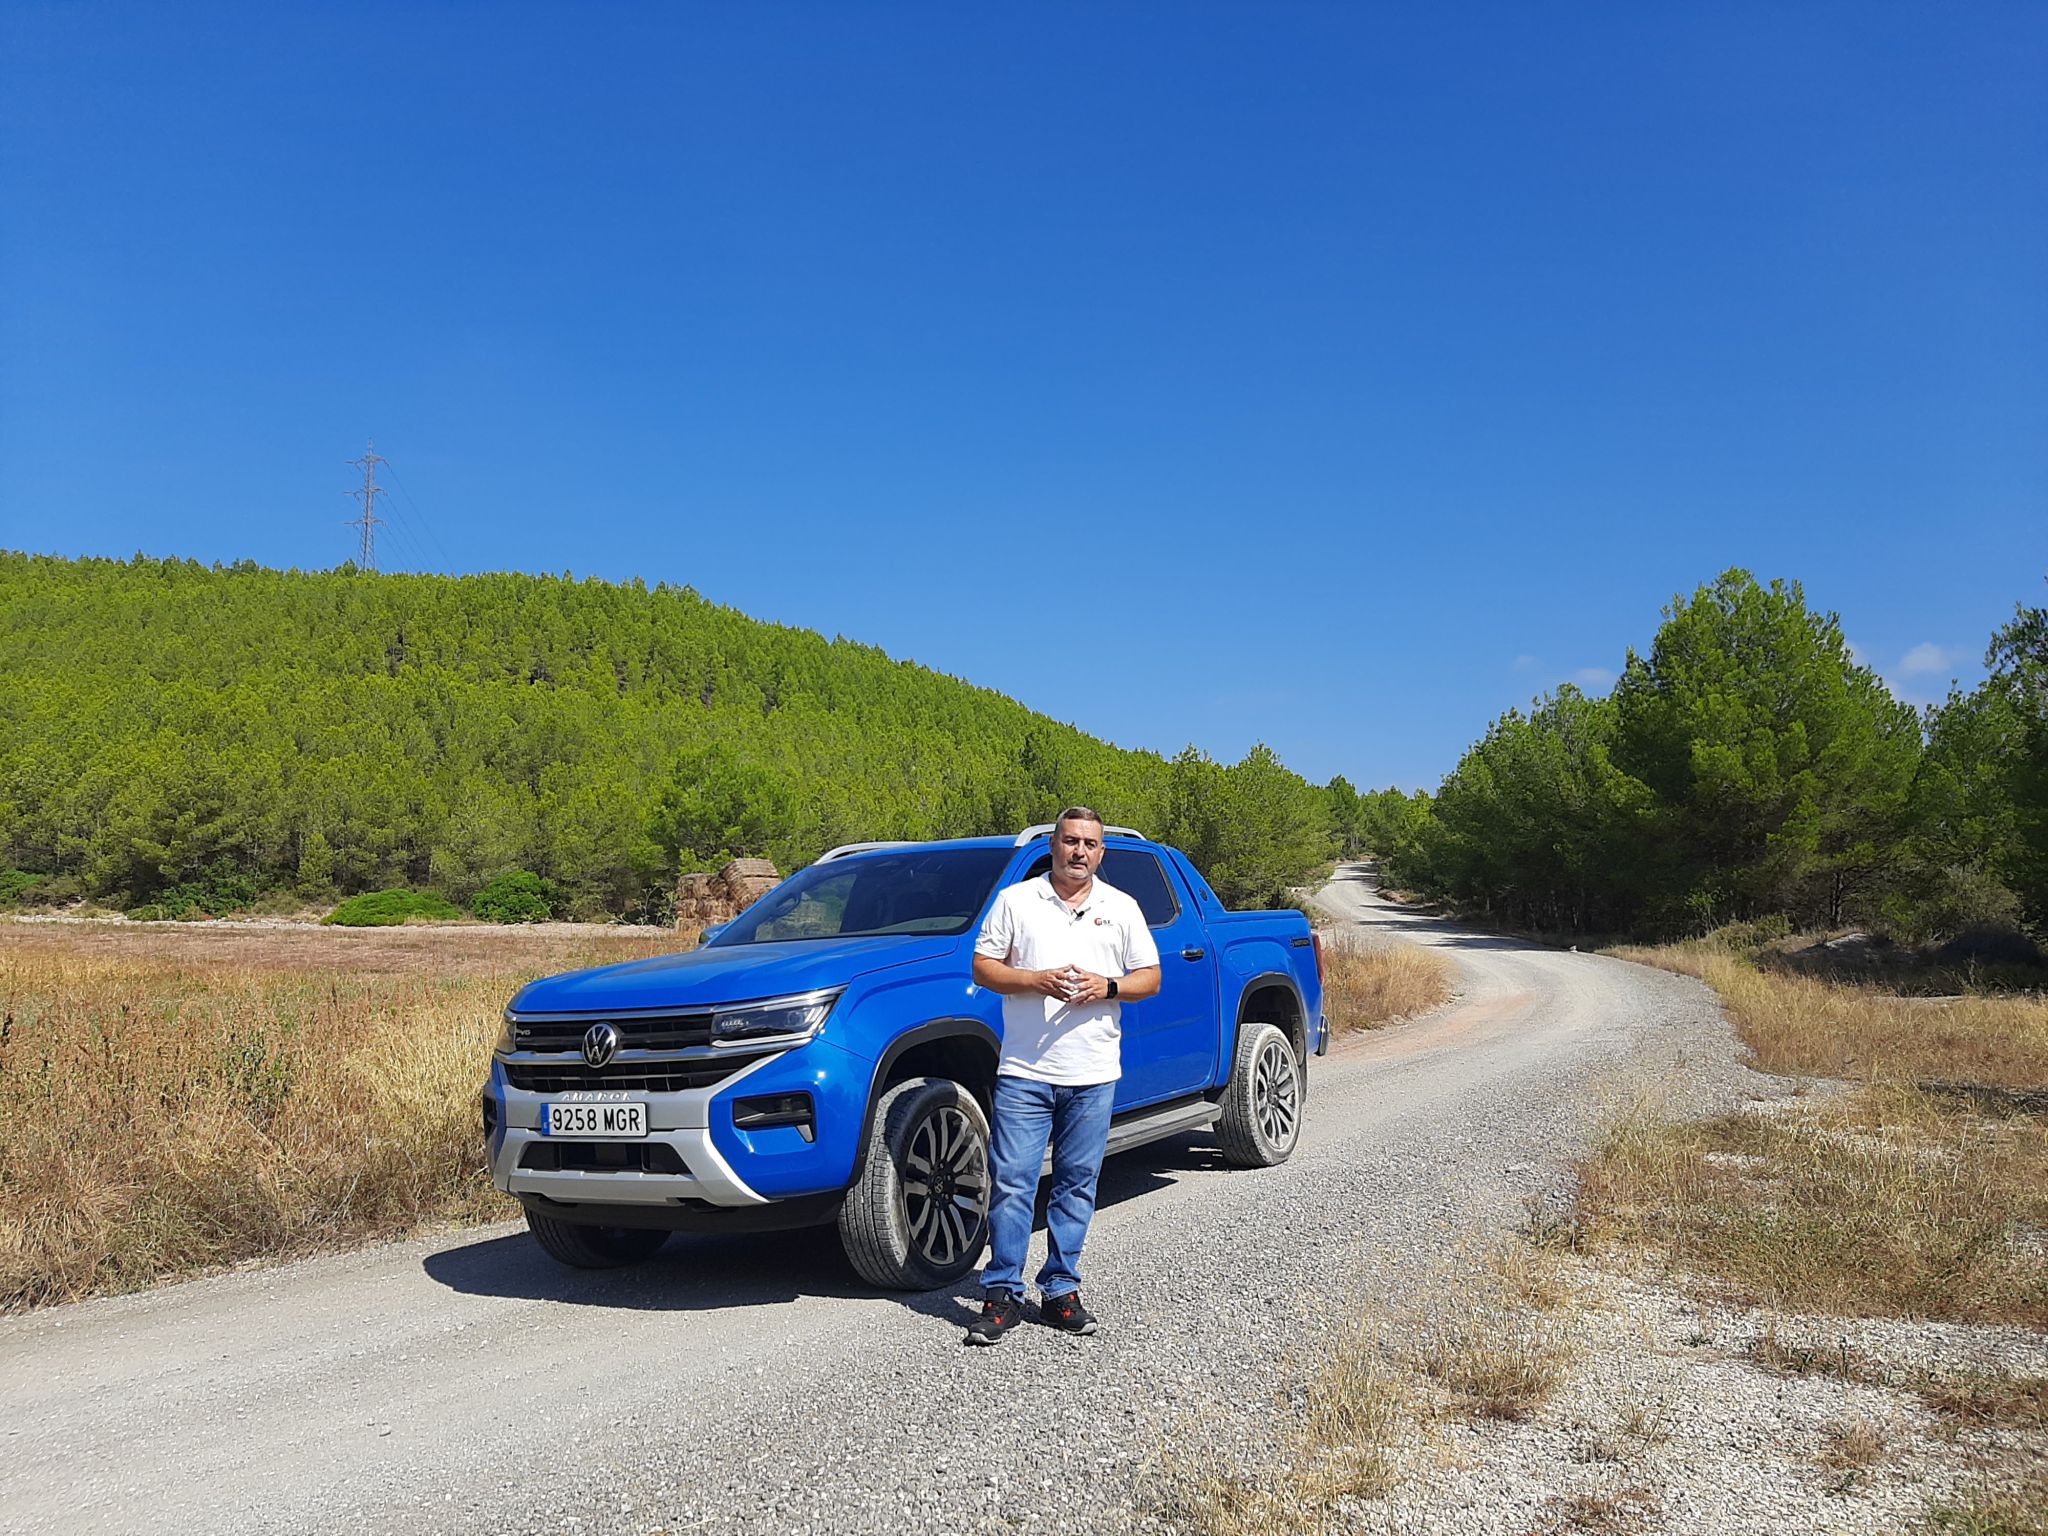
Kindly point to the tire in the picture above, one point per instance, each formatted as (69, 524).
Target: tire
(902, 1228)
(1262, 1104)
(595, 1247)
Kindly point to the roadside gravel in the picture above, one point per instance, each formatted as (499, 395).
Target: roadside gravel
(1664, 1423)
(1219, 1292)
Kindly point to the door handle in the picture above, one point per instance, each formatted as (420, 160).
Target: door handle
(1193, 954)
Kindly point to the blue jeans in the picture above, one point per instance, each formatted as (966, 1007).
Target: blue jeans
(1076, 1120)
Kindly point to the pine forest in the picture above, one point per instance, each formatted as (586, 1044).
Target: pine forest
(178, 739)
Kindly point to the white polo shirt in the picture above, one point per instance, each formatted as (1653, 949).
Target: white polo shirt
(1031, 928)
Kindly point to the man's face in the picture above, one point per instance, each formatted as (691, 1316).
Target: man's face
(1076, 851)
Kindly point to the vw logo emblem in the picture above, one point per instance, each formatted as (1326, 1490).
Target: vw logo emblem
(600, 1044)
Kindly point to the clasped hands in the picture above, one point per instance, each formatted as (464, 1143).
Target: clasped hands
(1071, 984)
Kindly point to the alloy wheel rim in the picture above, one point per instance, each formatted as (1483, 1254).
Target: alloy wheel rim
(1276, 1093)
(945, 1186)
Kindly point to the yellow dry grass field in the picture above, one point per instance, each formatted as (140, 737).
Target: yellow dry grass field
(1818, 1028)
(1886, 1200)
(1885, 1203)
(1901, 1197)
(178, 1098)
(1368, 985)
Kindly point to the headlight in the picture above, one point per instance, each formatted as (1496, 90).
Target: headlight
(504, 1033)
(779, 1019)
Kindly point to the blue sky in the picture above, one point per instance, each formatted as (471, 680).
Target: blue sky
(1335, 376)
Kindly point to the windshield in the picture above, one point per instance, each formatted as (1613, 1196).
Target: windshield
(920, 890)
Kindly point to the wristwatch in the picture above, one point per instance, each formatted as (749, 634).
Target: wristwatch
(1112, 989)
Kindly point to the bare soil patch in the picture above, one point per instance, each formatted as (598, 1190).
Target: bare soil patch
(466, 949)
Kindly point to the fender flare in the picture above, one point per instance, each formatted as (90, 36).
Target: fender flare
(960, 1028)
(1263, 979)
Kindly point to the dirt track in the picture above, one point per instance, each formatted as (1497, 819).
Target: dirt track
(468, 1384)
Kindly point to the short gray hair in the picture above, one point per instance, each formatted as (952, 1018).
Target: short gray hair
(1075, 813)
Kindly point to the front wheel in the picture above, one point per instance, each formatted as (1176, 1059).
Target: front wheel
(595, 1247)
(917, 1217)
(1261, 1119)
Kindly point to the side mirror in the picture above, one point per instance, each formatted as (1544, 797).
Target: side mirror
(709, 934)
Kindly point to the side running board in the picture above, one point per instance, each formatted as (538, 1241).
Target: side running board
(1155, 1124)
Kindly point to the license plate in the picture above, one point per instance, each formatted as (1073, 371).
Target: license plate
(596, 1122)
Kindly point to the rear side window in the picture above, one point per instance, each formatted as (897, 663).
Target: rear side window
(1137, 874)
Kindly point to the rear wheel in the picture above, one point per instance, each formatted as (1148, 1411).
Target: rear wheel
(917, 1217)
(1261, 1119)
(595, 1247)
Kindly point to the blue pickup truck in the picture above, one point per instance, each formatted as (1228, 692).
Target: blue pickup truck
(826, 1057)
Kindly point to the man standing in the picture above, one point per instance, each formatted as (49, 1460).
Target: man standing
(1064, 951)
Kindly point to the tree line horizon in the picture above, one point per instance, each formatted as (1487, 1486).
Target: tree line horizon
(1746, 769)
(180, 738)
(184, 739)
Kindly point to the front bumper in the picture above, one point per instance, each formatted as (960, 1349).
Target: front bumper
(693, 1155)
(680, 1121)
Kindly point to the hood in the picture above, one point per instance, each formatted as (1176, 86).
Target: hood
(705, 978)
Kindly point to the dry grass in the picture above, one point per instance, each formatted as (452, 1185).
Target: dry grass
(1799, 1024)
(1530, 1274)
(1646, 1423)
(1339, 1447)
(1881, 1204)
(1853, 1445)
(2019, 1508)
(1902, 1196)
(1495, 1358)
(1608, 1514)
(1838, 1360)
(1357, 1405)
(1368, 985)
(176, 1099)
(1482, 1349)
(1888, 1200)
(1984, 1400)
(1488, 1341)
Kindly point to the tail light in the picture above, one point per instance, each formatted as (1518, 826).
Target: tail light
(1316, 936)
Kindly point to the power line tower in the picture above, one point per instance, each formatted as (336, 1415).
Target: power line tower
(368, 497)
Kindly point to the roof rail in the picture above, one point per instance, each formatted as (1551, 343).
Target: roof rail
(1046, 829)
(845, 848)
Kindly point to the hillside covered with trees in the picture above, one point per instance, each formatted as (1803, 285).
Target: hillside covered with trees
(199, 738)
(1748, 768)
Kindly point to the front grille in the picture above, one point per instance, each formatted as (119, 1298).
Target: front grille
(602, 1157)
(648, 1032)
(571, 1075)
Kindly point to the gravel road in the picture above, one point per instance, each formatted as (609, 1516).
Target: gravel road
(467, 1384)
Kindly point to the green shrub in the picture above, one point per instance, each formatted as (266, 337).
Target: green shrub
(518, 897)
(217, 890)
(1958, 899)
(17, 887)
(387, 909)
(1745, 938)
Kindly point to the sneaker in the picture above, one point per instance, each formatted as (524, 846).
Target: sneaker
(1067, 1314)
(1000, 1312)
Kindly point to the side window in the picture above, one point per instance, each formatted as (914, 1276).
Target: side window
(1138, 875)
